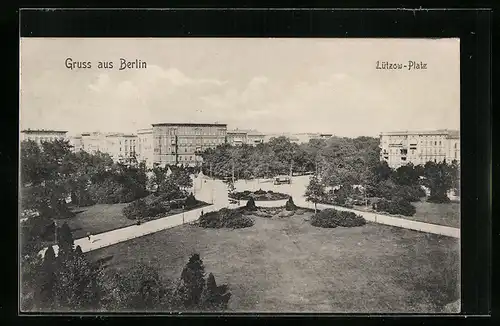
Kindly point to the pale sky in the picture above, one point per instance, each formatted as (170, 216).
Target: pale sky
(272, 85)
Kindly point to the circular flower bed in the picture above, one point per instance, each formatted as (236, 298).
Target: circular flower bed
(259, 195)
(225, 218)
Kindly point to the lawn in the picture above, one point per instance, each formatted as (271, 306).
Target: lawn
(97, 219)
(106, 217)
(287, 265)
(445, 214)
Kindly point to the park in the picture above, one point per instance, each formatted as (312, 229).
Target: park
(277, 262)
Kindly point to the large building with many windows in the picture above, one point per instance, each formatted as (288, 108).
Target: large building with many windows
(179, 143)
(41, 135)
(418, 147)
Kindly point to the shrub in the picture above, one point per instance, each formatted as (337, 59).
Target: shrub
(260, 192)
(396, 206)
(136, 210)
(251, 205)
(225, 218)
(439, 199)
(409, 193)
(331, 218)
(190, 201)
(290, 205)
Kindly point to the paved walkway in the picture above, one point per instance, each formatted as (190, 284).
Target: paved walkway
(215, 191)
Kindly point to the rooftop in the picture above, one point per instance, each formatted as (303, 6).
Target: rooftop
(448, 132)
(47, 131)
(190, 124)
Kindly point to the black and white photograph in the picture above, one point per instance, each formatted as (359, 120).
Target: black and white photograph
(239, 175)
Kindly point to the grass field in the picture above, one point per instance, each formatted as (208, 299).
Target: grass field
(97, 219)
(445, 214)
(105, 217)
(287, 265)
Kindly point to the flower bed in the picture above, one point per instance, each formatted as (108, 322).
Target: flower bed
(226, 218)
(259, 195)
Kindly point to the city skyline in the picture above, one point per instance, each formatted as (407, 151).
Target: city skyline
(245, 83)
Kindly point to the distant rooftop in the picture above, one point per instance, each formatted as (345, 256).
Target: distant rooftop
(450, 133)
(47, 131)
(251, 132)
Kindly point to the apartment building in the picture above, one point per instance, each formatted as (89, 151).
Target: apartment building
(145, 146)
(41, 135)
(249, 137)
(418, 147)
(120, 146)
(179, 143)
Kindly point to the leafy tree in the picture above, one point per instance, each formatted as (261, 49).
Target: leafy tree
(46, 281)
(439, 179)
(192, 282)
(314, 192)
(65, 240)
(77, 284)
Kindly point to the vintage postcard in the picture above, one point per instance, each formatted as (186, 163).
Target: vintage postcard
(235, 175)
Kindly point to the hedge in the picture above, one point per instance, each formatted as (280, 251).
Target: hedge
(331, 218)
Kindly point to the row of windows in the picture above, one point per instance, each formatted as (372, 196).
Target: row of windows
(195, 131)
(45, 138)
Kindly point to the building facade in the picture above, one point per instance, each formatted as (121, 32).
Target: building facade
(401, 148)
(145, 146)
(249, 137)
(179, 143)
(120, 146)
(41, 135)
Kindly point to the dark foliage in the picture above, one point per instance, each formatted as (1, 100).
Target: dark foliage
(259, 195)
(250, 206)
(225, 218)
(290, 205)
(331, 218)
(398, 206)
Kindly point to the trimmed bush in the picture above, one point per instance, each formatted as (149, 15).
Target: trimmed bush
(251, 205)
(190, 201)
(331, 218)
(261, 192)
(398, 206)
(290, 205)
(225, 218)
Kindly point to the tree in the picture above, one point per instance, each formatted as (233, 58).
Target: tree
(438, 178)
(214, 297)
(314, 192)
(77, 284)
(181, 178)
(65, 240)
(46, 281)
(192, 282)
